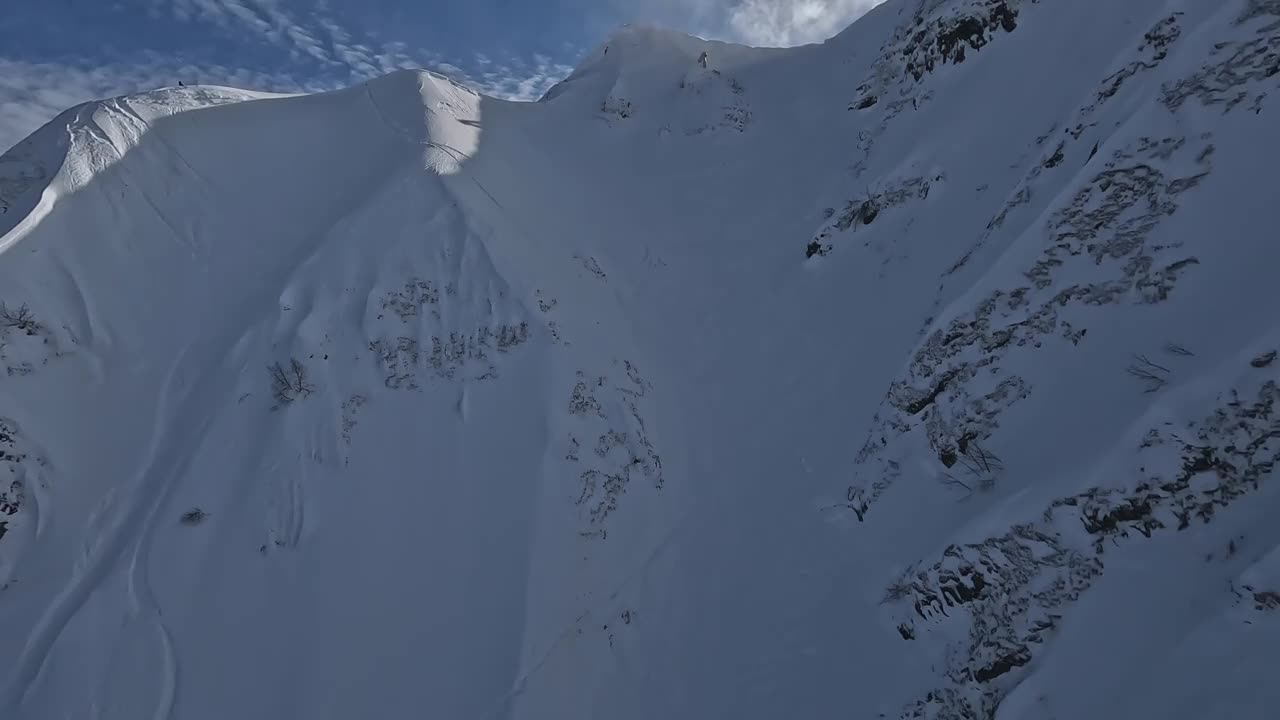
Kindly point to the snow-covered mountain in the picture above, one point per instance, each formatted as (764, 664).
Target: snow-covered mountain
(929, 372)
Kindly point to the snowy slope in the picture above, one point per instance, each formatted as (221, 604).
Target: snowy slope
(928, 372)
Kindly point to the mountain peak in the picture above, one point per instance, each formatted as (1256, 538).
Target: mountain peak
(639, 50)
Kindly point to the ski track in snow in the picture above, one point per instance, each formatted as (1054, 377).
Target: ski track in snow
(169, 452)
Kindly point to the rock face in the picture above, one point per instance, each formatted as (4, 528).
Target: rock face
(929, 372)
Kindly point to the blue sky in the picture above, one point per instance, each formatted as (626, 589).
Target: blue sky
(56, 53)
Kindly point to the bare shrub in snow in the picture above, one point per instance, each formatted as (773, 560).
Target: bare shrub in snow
(20, 319)
(981, 466)
(949, 480)
(194, 516)
(972, 484)
(289, 383)
(870, 207)
(900, 588)
(979, 461)
(1152, 375)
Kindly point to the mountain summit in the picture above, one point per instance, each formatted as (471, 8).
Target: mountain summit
(928, 372)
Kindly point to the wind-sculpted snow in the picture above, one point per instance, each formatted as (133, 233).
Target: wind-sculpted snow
(1153, 49)
(1013, 591)
(1239, 69)
(956, 389)
(937, 33)
(866, 209)
(620, 454)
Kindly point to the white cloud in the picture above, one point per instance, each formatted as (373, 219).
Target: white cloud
(773, 23)
(321, 37)
(264, 19)
(793, 22)
(517, 80)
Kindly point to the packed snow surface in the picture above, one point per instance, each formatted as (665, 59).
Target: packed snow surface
(928, 372)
